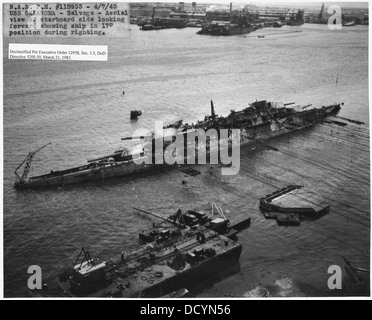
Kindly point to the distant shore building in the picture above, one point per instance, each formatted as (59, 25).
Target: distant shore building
(167, 10)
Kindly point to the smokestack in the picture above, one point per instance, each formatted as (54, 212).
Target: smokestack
(230, 7)
(212, 111)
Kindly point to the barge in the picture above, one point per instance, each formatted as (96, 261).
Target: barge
(153, 270)
(191, 219)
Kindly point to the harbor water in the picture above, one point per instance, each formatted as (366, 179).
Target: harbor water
(83, 108)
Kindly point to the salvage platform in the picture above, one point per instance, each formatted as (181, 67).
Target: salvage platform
(293, 200)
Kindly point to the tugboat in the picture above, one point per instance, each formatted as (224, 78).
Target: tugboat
(258, 122)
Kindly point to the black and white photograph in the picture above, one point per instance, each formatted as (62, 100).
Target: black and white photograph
(186, 150)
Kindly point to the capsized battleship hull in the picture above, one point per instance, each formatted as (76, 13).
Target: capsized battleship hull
(92, 172)
(259, 122)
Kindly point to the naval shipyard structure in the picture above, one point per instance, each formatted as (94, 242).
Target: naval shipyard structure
(230, 23)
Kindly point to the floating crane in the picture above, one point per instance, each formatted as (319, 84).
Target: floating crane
(27, 161)
(320, 16)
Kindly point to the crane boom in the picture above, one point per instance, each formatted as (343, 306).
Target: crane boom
(27, 160)
(320, 17)
(160, 217)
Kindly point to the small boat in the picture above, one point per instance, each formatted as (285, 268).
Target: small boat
(349, 23)
(135, 114)
(196, 23)
(147, 27)
(260, 37)
(287, 220)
